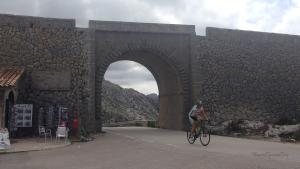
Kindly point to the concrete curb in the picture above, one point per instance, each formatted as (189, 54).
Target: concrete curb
(38, 149)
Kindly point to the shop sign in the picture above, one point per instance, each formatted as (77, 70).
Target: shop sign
(4, 139)
(23, 114)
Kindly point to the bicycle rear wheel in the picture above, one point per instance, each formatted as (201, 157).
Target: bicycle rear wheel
(190, 137)
(204, 136)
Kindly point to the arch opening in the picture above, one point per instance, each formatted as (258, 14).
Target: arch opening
(9, 103)
(172, 96)
(129, 94)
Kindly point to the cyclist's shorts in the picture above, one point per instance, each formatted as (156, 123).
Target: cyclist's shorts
(192, 119)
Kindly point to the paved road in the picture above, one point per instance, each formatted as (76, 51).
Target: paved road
(147, 148)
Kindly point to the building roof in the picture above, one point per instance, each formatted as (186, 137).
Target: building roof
(9, 77)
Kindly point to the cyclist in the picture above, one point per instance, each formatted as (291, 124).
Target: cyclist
(196, 115)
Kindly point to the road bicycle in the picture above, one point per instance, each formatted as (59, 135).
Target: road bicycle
(202, 132)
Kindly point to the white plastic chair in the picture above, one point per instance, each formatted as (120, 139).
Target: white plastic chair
(62, 132)
(45, 133)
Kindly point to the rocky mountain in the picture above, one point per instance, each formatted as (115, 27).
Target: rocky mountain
(119, 104)
(153, 97)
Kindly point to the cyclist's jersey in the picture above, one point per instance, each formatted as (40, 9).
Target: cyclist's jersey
(193, 111)
(200, 113)
(196, 114)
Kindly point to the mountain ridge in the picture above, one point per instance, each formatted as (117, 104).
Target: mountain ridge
(120, 104)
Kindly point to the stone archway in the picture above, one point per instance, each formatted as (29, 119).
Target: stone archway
(170, 77)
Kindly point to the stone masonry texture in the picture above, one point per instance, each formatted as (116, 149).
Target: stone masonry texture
(238, 74)
(248, 75)
(45, 45)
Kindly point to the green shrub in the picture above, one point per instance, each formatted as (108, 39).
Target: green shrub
(138, 124)
(151, 124)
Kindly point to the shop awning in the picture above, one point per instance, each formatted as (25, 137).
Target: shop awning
(9, 77)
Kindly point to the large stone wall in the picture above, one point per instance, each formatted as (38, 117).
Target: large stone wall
(52, 53)
(238, 74)
(247, 75)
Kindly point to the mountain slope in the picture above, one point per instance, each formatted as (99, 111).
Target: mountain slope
(154, 99)
(120, 104)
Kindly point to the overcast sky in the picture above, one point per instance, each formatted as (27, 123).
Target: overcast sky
(279, 16)
(130, 74)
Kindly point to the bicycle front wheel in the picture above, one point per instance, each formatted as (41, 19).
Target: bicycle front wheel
(204, 136)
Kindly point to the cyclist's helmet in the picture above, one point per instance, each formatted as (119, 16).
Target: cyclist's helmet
(199, 103)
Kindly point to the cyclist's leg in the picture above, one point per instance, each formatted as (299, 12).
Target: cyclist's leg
(202, 125)
(192, 122)
(198, 124)
(195, 126)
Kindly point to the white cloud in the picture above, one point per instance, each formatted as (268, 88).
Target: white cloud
(129, 74)
(119, 10)
(290, 20)
(166, 16)
(144, 87)
(260, 15)
(21, 7)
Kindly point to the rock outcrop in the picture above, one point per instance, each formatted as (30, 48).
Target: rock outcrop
(153, 97)
(286, 133)
(119, 105)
